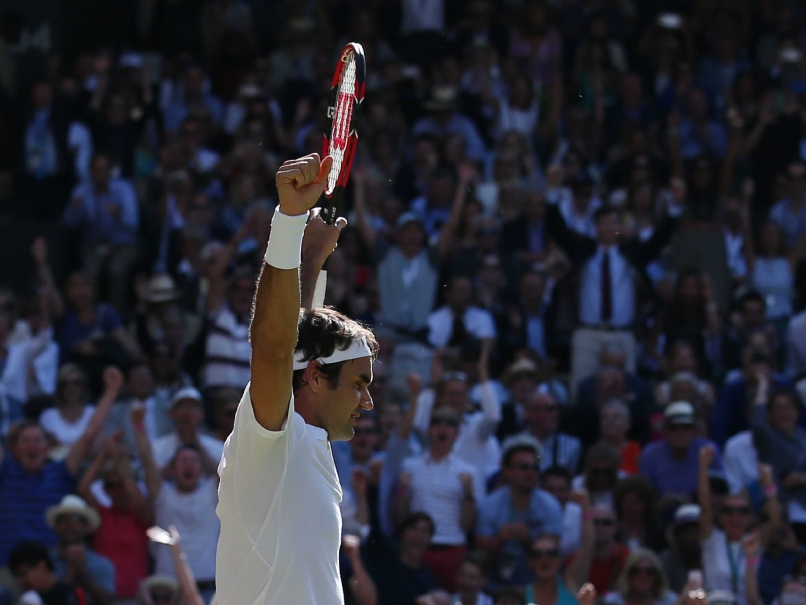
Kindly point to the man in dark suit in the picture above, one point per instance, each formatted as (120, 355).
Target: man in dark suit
(607, 285)
(524, 237)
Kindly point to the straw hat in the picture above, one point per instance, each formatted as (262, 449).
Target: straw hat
(73, 505)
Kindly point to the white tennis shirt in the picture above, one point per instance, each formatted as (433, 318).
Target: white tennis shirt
(279, 509)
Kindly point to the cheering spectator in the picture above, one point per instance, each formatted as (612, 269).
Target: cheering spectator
(31, 483)
(684, 554)
(557, 480)
(641, 581)
(445, 487)
(187, 414)
(71, 416)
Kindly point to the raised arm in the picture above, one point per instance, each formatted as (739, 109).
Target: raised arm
(318, 242)
(579, 569)
(446, 235)
(113, 381)
(39, 252)
(273, 331)
(490, 405)
(707, 454)
(184, 575)
(415, 383)
(84, 489)
(751, 545)
(748, 188)
(362, 219)
(153, 478)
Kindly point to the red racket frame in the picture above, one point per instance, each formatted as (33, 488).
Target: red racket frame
(332, 200)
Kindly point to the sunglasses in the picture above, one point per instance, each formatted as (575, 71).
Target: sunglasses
(364, 431)
(537, 553)
(447, 376)
(604, 522)
(735, 510)
(448, 421)
(526, 467)
(645, 570)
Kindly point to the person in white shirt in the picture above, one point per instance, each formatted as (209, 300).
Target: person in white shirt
(445, 487)
(68, 420)
(279, 495)
(457, 321)
(187, 414)
(557, 481)
(740, 460)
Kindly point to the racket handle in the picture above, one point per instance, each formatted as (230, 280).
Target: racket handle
(319, 291)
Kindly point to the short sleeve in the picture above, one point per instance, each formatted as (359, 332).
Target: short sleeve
(486, 524)
(110, 320)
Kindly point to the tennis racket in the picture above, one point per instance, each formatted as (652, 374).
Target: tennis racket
(341, 128)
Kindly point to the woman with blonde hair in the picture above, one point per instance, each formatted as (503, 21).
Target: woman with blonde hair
(642, 582)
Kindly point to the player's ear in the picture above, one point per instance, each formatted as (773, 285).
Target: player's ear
(314, 377)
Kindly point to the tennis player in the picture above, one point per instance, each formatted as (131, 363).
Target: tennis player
(279, 493)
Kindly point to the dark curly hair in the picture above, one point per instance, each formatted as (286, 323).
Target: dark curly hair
(321, 332)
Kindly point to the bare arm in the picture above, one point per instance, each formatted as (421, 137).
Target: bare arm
(361, 585)
(362, 219)
(445, 241)
(577, 573)
(751, 544)
(153, 478)
(704, 493)
(318, 242)
(402, 499)
(273, 331)
(88, 478)
(39, 251)
(748, 188)
(467, 518)
(415, 384)
(127, 341)
(113, 381)
(184, 575)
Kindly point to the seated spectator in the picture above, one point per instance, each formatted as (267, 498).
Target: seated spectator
(91, 333)
(556, 480)
(108, 208)
(698, 133)
(731, 414)
(159, 589)
(550, 585)
(30, 483)
(73, 561)
(526, 322)
(71, 416)
(681, 361)
(187, 414)
(612, 381)
(32, 567)
(515, 515)
(723, 560)
(542, 421)
(609, 556)
(225, 405)
(401, 576)
(470, 581)
(749, 319)
(458, 321)
(672, 465)
(684, 553)
(521, 380)
(445, 119)
(600, 474)
(639, 524)
(121, 534)
(641, 581)
(524, 237)
(445, 487)
(615, 424)
(191, 94)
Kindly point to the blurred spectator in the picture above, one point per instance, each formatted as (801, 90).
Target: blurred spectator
(684, 554)
(672, 465)
(615, 419)
(73, 561)
(556, 480)
(186, 413)
(640, 527)
(600, 474)
(32, 567)
(447, 489)
(32, 483)
(609, 556)
(541, 420)
(641, 579)
(470, 581)
(458, 321)
(515, 515)
(71, 416)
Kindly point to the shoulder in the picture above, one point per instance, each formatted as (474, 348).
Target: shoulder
(460, 466)
(545, 500)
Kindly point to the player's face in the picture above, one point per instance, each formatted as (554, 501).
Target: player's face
(345, 403)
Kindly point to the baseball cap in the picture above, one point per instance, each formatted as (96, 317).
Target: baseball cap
(679, 412)
(408, 217)
(186, 393)
(688, 513)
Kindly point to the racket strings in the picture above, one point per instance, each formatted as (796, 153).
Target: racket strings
(342, 119)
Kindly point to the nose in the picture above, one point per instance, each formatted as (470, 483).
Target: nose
(367, 403)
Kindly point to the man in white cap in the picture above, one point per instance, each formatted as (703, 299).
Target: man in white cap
(187, 413)
(73, 561)
(279, 492)
(672, 465)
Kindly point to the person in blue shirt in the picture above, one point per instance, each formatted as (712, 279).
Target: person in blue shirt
(514, 516)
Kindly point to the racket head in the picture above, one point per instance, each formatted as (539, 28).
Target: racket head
(341, 128)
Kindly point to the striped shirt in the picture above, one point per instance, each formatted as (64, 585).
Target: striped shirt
(228, 350)
(25, 498)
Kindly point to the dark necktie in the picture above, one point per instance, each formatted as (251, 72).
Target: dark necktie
(459, 334)
(607, 294)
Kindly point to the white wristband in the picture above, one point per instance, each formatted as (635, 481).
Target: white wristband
(319, 291)
(284, 250)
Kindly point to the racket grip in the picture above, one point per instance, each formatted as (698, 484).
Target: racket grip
(319, 291)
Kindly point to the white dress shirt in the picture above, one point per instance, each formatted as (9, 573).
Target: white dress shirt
(740, 460)
(622, 289)
(478, 322)
(572, 529)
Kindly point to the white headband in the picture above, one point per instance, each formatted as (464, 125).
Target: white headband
(359, 348)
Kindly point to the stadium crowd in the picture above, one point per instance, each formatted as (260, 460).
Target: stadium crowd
(577, 228)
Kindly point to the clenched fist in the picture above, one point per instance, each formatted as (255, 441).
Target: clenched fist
(300, 182)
